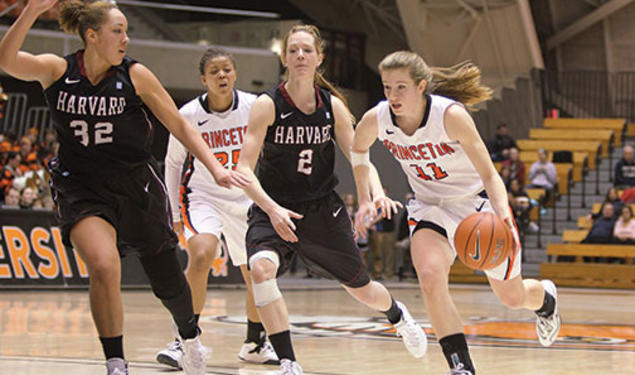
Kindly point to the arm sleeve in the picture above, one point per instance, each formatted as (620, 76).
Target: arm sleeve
(174, 159)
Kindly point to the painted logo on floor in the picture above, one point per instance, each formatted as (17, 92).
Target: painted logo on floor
(480, 331)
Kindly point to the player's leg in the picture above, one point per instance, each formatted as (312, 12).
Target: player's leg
(95, 240)
(432, 257)
(256, 348)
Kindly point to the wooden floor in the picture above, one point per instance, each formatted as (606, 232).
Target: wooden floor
(51, 332)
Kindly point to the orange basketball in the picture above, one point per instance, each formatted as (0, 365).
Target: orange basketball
(483, 241)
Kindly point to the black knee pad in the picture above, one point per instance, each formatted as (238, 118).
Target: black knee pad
(165, 274)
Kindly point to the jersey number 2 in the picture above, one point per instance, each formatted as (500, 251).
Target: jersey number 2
(305, 158)
(103, 132)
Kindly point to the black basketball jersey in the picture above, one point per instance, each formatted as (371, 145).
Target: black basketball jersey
(102, 129)
(298, 157)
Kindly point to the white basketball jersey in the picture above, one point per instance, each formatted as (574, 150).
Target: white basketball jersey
(437, 168)
(186, 176)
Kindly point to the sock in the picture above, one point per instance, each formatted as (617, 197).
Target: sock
(196, 318)
(281, 342)
(255, 332)
(548, 306)
(456, 351)
(112, 346)
(393, 313)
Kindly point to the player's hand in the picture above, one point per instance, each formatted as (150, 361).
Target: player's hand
(365, 215)
(40, 6)
(280, 218)
(228, 178)
(178, 227)
(387, 206)
(510, 223)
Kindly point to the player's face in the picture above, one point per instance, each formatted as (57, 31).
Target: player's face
(112, 39)
(220, 76)
(402, 93)
(302, 57)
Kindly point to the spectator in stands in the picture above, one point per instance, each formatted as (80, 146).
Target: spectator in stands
(516, 166)
(48, 147)
(32, 133)
(625, 169)
(610, 197)
(5, 148)
(521, 207)
(542, 174)
(27, 197)
(10, 171)
(624, 231)
(12, 198)
(500, 145)
(602, 230)
(29, 158)
(506, 176)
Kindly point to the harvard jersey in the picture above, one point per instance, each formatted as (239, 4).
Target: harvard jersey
(297, 160)
(437, 167)
(223, 133)
(103, 128)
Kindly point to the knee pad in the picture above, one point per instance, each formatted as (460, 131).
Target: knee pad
(271, 256)
(266, 292)
(164, 273)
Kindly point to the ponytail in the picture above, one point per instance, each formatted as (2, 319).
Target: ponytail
(77, 16)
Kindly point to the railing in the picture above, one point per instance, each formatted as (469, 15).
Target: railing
(589, 94)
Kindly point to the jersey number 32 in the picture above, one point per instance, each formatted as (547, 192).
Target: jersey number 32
(103, 132)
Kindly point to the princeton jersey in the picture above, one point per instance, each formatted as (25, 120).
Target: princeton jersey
(297, 160)
(102, 129)
(437, 168)
(223, 132)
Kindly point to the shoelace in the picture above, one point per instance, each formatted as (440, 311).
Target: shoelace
(412, 337)
(286, 367)
(459, 370)
(175, 345)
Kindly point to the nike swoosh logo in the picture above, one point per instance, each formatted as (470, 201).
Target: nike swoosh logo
(477, 249)
(69, 81)
(201, 123)
(337, 211)
(285, 115)
(146, 187)
(389, 132)
(479, 208)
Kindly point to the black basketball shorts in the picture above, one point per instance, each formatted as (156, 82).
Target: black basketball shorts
(326, 243)
(134, 202)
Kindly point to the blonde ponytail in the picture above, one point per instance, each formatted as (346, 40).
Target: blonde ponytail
(77, 16)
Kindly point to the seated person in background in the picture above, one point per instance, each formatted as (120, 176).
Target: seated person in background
(542, 174)
(500, 145)
(610, 197)
(10, 171)
(624, 230)
(506, 176)
(11, 198)
(521, 207)
(29, 158)
(602, 230)
(625, 169)
(516, 167)
(28, 196)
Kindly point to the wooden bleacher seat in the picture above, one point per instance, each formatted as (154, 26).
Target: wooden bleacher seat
(563, 171)
(584, 222)
(460, 273)
(592, 148)
(578, 273)
(580, 162)
(618, 125)
(630, 130)
(605, 136)
(574, 236)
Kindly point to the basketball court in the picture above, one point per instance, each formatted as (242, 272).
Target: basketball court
(51, 332)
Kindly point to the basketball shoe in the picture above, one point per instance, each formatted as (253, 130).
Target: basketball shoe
(289, 367)
(117, 366)
(194, 356)
(459, 370)
(411, 333)
(547, 327)
(172, 355)
(262, 353)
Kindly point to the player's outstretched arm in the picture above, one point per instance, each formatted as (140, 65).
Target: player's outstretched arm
(45, 68)
(261, 115)
(161, 104)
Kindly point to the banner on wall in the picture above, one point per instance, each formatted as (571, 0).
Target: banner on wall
(32, 254)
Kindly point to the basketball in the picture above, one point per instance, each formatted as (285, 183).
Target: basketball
(483, 241)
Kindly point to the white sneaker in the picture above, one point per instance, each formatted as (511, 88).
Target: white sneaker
(548, 327)
(116, 366)
(288, 367)
(411, 333)
(258, 353)
(171, 356)
(194, 356)
(459, 370)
